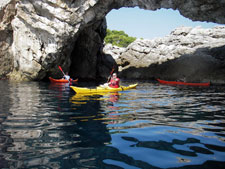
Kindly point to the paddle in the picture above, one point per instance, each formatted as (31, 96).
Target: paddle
(61, 70)
(110, 75)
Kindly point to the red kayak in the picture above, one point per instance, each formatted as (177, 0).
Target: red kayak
(183, 83)
(61, 80)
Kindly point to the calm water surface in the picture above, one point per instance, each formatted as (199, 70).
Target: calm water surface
(155, 126)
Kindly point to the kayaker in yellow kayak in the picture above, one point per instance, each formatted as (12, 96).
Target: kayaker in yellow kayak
(112, 85)
(114, 82)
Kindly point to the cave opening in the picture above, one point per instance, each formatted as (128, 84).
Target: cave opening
(88, 63)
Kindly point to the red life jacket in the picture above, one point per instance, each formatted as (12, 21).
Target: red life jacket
(114, 83)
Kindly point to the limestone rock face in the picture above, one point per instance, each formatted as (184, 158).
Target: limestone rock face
(195, 54)
(7, 13)
(38, 35)
(114, 51)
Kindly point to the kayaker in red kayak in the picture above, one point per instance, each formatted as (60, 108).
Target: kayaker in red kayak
(66, 76)
(114, 81)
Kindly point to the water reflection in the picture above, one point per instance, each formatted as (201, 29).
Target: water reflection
(173, 124)
(168, 114)
(38, 129)
(45, 125)
(105, 100)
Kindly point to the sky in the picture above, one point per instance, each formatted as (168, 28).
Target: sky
(147, 24)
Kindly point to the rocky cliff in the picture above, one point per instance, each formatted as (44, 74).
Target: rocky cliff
(191, 54)
(38, 35)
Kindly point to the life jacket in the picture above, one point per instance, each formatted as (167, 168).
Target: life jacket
(114, 83)
(67, 77)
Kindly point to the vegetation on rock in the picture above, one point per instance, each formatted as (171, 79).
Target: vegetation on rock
(118, 38)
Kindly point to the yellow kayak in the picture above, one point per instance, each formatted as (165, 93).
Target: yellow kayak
(99, 89)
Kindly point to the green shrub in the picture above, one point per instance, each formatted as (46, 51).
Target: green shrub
(118, 38)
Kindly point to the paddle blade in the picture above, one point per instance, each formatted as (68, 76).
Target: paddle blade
(60, 68)
(112, 71)
(110, 74)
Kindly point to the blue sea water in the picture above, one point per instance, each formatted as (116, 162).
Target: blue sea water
(45, 125)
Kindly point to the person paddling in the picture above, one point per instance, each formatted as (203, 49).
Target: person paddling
(66, 76)
(114, 81)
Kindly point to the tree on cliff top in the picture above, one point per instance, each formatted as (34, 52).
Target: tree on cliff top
(118, 38)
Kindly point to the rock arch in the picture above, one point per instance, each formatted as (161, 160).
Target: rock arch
(45, 33)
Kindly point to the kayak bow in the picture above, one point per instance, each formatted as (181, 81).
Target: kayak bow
(99, 89)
